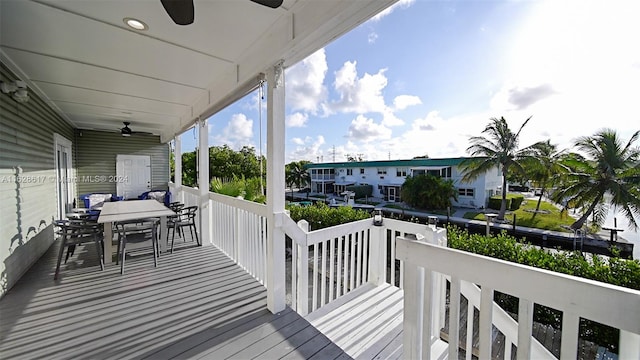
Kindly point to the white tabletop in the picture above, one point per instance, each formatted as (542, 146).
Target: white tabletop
(132, 210)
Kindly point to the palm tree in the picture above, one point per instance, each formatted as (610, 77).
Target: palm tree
(500, 149)
(295, 174)
(610, 166)
(544, 165)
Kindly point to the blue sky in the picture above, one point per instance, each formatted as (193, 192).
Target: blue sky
(424, 76)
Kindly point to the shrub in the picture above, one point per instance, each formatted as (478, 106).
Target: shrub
(513, 202)
(516, 201)
(361, 191)
(321, 215)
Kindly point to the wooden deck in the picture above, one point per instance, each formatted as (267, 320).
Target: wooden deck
(366, 323)
(196, 304)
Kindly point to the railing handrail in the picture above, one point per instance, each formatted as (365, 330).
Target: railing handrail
(250, 206)
(561, 291)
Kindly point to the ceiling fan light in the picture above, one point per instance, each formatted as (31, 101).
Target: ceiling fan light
(135, 24)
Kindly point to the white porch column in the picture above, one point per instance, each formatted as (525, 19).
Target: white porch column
(203, 182)
(275, 188)
(177, 179)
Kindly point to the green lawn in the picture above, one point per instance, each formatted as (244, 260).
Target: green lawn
(550, 220)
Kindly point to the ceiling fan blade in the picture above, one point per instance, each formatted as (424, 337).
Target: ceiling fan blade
(269, 3)
(180, 11)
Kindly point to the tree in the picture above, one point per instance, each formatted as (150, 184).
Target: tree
(608, 166)
(500, 150)
(544, 166)
(355, 157)
(296, 174)
(428, 192)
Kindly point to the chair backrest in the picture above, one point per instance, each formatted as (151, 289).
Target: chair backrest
(188, 213)
(80, 230)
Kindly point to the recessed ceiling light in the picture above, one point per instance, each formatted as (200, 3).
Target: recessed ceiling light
(135, 24)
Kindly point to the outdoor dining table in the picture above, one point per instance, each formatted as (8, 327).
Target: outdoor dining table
(132, 210)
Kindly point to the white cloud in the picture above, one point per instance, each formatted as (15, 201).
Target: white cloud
(373, 36)
(297, 119)
(307, 149)
(402, 102)
(401, 4)
(237, 133)
(359, 95)
(366, 130)
(305, 83)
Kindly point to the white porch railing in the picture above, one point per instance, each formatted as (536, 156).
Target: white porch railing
(329, 263)
(238, 228)
(576, 297)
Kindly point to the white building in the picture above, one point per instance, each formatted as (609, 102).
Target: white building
(387, 177)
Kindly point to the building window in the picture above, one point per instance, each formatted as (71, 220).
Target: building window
(349, 171)
(446, 172)
(361, 170)
(401, 171)
(382, 171)
(466, 192)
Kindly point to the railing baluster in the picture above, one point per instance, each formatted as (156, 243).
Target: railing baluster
(525, 322)
(427, 314)
(314, 295)
(469, 338)
(454, 317)
(345, 281)
(393, 260)
(365, 258)
(332, 254)
(339, 269)
(294, 275)
(358, 259)
(352, 260)
(323, 284)
(486, 320)
(569, 339)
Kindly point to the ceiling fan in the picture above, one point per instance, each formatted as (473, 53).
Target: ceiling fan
(126, 130)
(182, 11)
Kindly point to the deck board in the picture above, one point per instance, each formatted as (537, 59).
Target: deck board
(196, 304)
(365, 322)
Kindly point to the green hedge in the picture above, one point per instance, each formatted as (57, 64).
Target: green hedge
(361, 191)
(613, 270)
(513, 202)
(321, 215)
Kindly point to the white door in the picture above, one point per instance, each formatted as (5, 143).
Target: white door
(133, 175)
(392, 193)
(64, 190)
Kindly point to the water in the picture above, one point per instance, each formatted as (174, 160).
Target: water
(628, 234)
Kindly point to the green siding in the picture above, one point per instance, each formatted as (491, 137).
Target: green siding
(26, 209)
(389, 163)
(96, 156)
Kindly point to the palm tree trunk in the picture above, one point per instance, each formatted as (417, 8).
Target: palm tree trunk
(503, 204)
(578, 224)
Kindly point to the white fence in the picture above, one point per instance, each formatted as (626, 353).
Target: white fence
(576, 297)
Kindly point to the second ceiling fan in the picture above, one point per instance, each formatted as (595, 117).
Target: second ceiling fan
(182, 11)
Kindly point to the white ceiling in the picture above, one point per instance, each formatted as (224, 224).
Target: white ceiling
(96, 72)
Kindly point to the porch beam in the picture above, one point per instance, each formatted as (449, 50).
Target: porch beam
(275, 188)
(203, 182)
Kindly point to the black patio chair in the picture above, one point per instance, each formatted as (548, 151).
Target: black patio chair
(76, 232)
(185, 217)
(137, 231)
